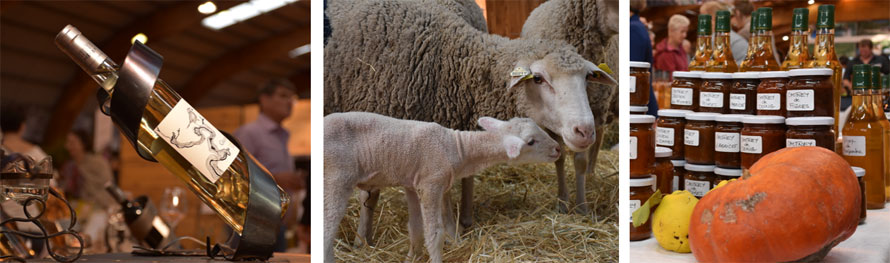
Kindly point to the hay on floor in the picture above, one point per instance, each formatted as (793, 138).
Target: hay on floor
(516, 219)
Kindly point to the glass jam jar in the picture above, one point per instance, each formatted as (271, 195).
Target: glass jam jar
(726, 140)
(761, 135)
(726, 174)
(669, 131)
(713, 96)
(810, 131)
(771, 93)
(642, 145)
(743, 93)
(664, 170)
(860, 176)
(684, 90)
(639, 83)
(679, 174)
(640, 191)
(698, 137)
(699, 179)
(639, 110)
(809, 93)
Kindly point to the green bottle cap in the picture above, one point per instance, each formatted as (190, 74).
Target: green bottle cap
(876, 77)
(722, 21)
(799, 19)
(704, 25)
(861, 76)
(765, 18)
(825, 19)
(753, 27)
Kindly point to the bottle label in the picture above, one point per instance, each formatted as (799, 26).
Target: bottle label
(690, 137)
(676, 184)
(664, 136)
(633, 84)
(634, 205)
(201, 144)
(789, 143)
(698, 188)
(800, 100)
(633, 147)
(769, 101)
(854, 145)
(751, 144)
(681, 96)
(711, 99)
(726, 142)
(737, 101)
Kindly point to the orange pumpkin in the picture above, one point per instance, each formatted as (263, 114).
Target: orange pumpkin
(797, 204)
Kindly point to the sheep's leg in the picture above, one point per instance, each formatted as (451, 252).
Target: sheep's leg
(581, 179)
(431, 207)
(415, 225)
(580, 162)
(367, 201)
(336, 197)
(563, 193)
(466, 202)
(449, 220)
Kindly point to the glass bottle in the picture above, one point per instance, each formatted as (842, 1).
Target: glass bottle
(223, 190)
(863, 139)
(702, 45)
(798, 53)
(749, 53)
(824, 55)
(721, 59)
(877, 105)
(764, 58)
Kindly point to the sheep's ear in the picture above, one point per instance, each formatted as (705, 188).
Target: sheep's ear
(490, 124)
(513, 145)
(519, 74)
(601, 74)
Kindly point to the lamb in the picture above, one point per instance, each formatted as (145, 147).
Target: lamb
(370, 151)
(413, 61)
(591, 26)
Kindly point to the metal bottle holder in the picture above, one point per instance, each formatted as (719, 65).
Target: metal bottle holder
(136, 79)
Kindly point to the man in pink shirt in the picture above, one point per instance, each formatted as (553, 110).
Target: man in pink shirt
(669, 54)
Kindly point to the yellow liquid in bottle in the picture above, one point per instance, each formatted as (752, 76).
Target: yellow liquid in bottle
(798, 53)
(721, 58)
(824, 57)
(885, 125)
(702, 54)
(863, 147)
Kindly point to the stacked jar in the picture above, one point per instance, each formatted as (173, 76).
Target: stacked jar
(761, 135)
(771, 93)
(639, 83)
(714, 92)
(727, 135)
(669, 131)
(684, 90)
(642, 146)
(743, 93)
(698, 137)
(640, 191)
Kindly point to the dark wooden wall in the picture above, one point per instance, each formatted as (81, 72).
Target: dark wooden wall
(505, 18)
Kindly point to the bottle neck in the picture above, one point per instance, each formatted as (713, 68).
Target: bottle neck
(824, 45)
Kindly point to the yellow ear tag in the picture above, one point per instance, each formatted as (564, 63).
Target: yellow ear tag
(521, 72)
(605, 68)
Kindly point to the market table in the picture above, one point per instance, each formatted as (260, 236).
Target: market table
(870, 243)
(127, 257)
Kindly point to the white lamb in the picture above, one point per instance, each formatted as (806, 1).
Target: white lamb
(370, 151)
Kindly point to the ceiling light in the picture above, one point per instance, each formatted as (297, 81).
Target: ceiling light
(207, 8)
(811, 2)
(242, 12)
(141, 37)
(299, 51)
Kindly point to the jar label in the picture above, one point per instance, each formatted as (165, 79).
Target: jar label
(737, 101)
(800, 100)
(727, 142)
(752, 144)
(664, 136)
(789, 143)
(633, 147)
(201, 144)
(633, 84)
(634, 205)
(711, 99)
(854, 145)
(698, 188)
(769, 101)
(676, 184)
(690, 137)
(681, 96)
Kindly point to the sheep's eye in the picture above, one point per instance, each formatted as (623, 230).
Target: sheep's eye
(537, 79)
(532, 142)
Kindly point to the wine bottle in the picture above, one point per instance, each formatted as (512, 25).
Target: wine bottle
(721, 59)
(798, 52)
(178, 137)
(145, 223)
(824, 55)
(702, 44)
(863, 139)
(763, 57)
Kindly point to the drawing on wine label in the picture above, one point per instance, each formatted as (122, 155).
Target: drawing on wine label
(197, 140)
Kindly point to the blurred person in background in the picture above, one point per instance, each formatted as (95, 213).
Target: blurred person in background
(741, 19)
(83, 178)
(669, 54)
(866, 56)
(641, 46)
(266, 140)
(687, 47)
(12, 122)
(738, 44)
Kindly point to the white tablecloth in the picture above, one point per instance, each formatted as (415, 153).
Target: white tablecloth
(870, 243)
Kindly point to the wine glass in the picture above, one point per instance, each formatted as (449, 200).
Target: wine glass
(173, 206)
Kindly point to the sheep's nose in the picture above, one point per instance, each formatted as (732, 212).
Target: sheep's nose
(584, 131)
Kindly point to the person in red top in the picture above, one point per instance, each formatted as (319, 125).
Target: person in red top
(669, 54)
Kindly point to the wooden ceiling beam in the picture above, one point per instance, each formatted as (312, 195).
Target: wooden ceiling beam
(158, 25)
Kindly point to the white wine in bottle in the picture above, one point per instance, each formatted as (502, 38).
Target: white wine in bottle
(177, 136)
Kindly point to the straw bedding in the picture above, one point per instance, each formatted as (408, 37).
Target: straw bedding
(516, 220)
